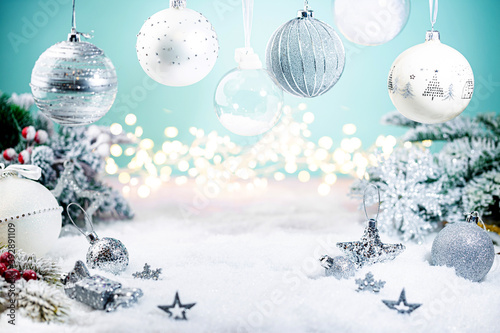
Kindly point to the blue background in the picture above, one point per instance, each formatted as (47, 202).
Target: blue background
(360, 97)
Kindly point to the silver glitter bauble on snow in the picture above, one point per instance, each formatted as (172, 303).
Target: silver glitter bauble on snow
(73, 82)
(108, 254)
(338, 267)
(466, 247)
(306, 56)
(177, 46)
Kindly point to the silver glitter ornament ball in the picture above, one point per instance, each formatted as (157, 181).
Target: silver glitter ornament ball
(74, 83)
(338, 267)
(306, 56)
(108, 254)
(466, 247)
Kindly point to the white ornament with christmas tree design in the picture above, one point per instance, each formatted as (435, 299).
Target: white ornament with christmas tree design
(431, 82)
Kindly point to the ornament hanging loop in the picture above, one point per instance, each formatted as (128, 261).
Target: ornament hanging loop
(371, 222)
(474, 218)
(433, 10)
(74, 36)
(89, 233)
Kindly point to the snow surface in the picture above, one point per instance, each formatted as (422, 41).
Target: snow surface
(251, 265)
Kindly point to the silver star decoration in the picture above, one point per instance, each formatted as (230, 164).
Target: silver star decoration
(401, 305)
(369, 284)
(370, 249)
(148, 273)
(67, 180)
(177, 310)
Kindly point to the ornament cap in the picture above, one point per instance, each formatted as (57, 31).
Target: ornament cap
(92, 237)
(432, 35)
(305, 13)
(247, 59)
(372, 223)
(73, 36)
(178, 4)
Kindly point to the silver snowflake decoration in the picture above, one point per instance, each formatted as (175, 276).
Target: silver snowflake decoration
(411, 189)
(369, 284)
(148, 273)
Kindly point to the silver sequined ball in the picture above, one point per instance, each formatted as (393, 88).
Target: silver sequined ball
(108, 254)
(306, 56)
(466, 247)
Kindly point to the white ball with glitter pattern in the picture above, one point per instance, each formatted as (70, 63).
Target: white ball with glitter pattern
(177, 46)
(431, 82)
(30, 215)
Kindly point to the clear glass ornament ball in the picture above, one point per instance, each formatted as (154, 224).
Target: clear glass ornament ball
(74, 83)
(248, 102)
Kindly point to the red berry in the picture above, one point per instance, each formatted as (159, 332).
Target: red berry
(3, 268)
(24, 157)
(9, 154)
(41, 136)
(12, 275)
(29, 275)
(7, 258)
(29, 133)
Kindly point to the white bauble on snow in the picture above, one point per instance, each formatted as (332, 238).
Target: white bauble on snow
(431, 82)
(30, 215)
(370, 22)
(177, 46)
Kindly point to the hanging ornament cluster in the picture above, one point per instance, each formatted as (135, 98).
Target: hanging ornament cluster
(248, 100)
(431, 82)
(107, 254)
(305, 55)
(73, 82)
(370, 22)
(30, 217)
(177, 46)
(466, 247)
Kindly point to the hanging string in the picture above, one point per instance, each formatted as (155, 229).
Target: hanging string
(89, 226)
(306, 5)
(364, 201)
(73, 20)
(433, 9)
(247, 21)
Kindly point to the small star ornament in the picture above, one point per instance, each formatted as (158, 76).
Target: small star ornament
(401, 305)
(369, 284)
(370, 249)
(177, 310)
(147, 273)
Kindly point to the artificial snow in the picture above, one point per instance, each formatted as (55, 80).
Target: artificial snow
(251, 265)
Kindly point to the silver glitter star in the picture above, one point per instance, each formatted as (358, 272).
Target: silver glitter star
(147, 273)
(401, 306)
(370, 249)
(369, 284)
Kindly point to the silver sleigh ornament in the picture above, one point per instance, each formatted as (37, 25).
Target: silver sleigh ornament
(107, 254)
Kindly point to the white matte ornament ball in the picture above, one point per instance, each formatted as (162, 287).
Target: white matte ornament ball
(466, 247)
(177, 46)
(74, 83)
(431, 82)
(30, 215)
(370, 22)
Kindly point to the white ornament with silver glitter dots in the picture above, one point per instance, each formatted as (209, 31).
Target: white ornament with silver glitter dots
(177, 46)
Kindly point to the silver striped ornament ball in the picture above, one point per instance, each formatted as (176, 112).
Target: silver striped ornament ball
(74, 83)
(306, 56)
